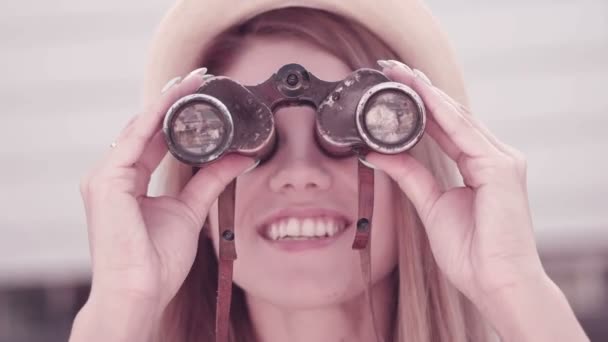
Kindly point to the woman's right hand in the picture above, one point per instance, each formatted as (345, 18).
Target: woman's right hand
(142, 248)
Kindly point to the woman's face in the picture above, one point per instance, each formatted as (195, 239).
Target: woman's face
(300, 190)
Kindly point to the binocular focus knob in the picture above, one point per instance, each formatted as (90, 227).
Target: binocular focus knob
(292, 80)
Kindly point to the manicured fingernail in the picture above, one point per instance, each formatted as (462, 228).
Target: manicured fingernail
(422, 76)
(391, 63)
(200, 71)
(257, 162)
(402, 65)
(366, 163)
(170, 84)
(384, 64)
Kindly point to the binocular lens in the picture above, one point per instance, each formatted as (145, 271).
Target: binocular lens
(199, 129)
(225, 117)
(391, 117)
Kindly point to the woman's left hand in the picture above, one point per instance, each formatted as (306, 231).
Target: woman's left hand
(481, 233)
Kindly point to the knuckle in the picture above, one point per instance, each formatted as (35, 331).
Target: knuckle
(489, 169)
(144, 171)
(516, 161)
(215, 176)
(520, 159)
(507, 168)
(89, 183)
(190, 213)
(111, 180)
(84, 186)
(95, 186)
(197, 219)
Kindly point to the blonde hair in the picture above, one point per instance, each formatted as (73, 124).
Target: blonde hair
(428, 307)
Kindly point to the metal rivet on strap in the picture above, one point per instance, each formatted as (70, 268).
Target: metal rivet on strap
(363, 225)
(228, 235)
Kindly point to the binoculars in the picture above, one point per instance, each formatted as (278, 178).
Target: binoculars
(361, 113)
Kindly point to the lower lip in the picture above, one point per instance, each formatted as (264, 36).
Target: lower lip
(291, 245)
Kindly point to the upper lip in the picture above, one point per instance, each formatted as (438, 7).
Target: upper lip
(299, 212)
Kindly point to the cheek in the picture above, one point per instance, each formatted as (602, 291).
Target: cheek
(245, 193)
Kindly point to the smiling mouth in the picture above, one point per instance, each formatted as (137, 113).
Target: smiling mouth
(311, 228)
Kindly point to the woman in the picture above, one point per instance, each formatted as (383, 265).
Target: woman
(447, 258)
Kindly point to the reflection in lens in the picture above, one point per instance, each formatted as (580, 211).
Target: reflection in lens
(198, 129)
(391, 117)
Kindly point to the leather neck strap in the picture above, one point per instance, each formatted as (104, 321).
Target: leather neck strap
(363, 236)
(227, 255)
(227, 251)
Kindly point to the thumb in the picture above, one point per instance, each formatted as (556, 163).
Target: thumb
(207, 184)
(414, 179)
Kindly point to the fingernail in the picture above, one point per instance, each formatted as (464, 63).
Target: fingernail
(200, 71)
(366, 163)
(402, 65)
(422, 76)
(391, 63)
(384, 64)
(170, 84)
(257, 162)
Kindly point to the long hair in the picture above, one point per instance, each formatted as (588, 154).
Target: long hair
(428, 307)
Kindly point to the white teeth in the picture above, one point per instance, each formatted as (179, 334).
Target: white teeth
(296, 228)
(332, 227)
(308, 227)
(293, 227)
(320, 227)
(282, 229)
(274, 231)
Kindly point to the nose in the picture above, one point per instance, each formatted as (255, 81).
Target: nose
(298, 176)
(299, 163)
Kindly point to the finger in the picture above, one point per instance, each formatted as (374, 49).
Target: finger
(154, 153)
(148, 162)
(464, 135)
(414, 179)
(134, 142)
(445, 143)
(465, 111)
(207, 184)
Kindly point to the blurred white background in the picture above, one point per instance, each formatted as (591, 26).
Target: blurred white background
(71, 74)
(72, 70)
(536, 72)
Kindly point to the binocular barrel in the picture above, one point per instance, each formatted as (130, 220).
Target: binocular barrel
(365, 111)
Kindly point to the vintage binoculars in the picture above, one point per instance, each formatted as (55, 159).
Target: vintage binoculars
(364, 112)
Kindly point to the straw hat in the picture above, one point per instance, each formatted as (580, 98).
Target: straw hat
(407, 26)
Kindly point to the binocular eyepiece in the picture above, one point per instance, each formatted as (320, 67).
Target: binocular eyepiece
(364, 112)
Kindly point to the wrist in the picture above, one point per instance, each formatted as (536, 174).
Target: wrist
(532, 310)
(114, 318)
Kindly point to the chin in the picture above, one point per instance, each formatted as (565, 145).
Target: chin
(308, 295)
(304, 287)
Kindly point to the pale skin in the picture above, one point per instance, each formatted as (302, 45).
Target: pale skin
(481, 234)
